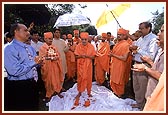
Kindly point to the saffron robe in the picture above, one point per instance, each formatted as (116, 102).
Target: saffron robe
(71, 62)
(102, 61)
(84, 67)
(76, 40)
(51, 71)
(118, 68)
(156, 101)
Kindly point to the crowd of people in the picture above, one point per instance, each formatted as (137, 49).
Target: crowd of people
(83, 58)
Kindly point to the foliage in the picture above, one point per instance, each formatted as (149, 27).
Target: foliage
(13, 14)
(82, 5)
(25, 13)
(157, 21)
(58, 9)
(10, 17)
(86, 27)
(91, 30)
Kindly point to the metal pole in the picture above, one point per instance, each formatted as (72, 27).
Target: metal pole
(114, 17)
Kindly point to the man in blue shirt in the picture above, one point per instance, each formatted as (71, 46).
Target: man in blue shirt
(146, 45)
(20, 62)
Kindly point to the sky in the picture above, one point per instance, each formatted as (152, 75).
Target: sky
(130, 19)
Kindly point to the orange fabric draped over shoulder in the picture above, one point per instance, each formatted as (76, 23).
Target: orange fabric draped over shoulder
(102, 61)
(51, 72)
(77, 40)
(156, 101)
(71, 62)
(84, 67)
(118, 68)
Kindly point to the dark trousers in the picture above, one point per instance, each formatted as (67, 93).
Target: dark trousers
(20, 95)
(40, 83)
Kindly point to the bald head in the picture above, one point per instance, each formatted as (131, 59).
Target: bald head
(20, 32)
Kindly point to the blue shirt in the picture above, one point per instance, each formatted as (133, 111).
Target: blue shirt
(17, 62)
(148, 47)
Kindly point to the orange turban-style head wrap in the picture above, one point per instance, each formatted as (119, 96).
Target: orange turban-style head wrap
(84, 35)
(48, 35)
(69, 36)
(76, 31)
(122, 31)
(104, 35)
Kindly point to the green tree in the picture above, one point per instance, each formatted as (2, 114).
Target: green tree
(58, 9)
(82, 28)
(25, 13)
(17, 13)
(157, 21)
(55, 10)
(10, 17)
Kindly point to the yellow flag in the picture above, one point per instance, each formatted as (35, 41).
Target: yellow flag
(107, 16)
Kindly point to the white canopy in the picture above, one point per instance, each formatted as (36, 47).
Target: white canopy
(71, 19)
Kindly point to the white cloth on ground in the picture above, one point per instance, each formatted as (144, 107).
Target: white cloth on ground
(103, 100)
